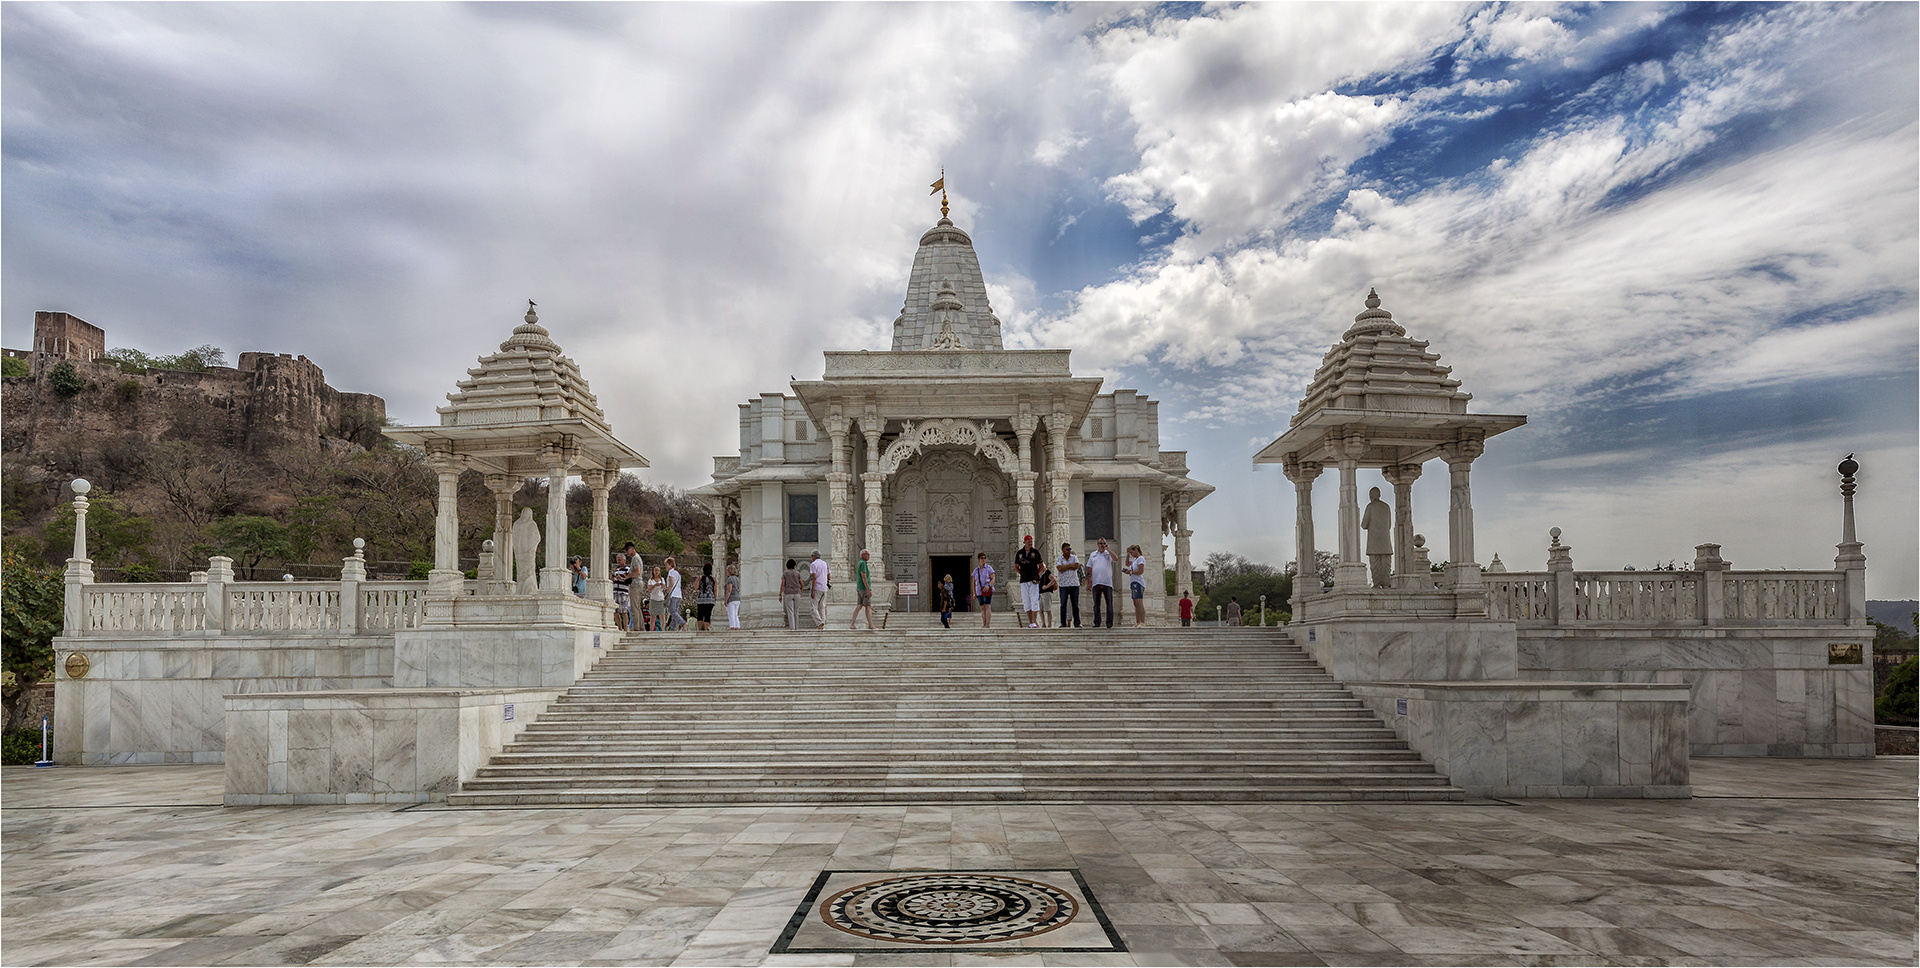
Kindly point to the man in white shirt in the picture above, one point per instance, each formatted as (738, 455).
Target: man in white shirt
(674, 619)
(1100, 568)
(1068, 568)
(817, 574)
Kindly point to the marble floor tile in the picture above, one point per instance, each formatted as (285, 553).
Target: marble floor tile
(1775, 862)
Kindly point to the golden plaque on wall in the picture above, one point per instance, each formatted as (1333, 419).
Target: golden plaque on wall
(1843, 653)
(77, 665)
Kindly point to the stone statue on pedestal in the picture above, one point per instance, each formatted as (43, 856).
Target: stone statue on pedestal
(526, 542)
(1377, 522)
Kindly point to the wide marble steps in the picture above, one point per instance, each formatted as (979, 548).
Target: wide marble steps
(961, 715)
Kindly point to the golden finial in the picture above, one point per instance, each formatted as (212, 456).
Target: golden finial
(941, 187)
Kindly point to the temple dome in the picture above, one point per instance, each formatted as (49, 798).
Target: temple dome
(946, 260)
(529, 381)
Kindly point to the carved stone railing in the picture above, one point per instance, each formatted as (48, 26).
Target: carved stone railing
(150, 608)
(1649, 599)
(283, 607)
(389, 605)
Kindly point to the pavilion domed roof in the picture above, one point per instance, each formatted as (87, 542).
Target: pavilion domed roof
(946, 260)
(529, 380)
(1376, 367)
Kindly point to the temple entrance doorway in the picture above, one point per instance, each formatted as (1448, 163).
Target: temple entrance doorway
(959, 566)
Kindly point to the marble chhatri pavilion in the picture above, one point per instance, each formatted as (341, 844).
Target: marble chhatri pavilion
(944, 446)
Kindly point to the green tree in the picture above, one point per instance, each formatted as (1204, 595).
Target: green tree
(116, 537)
(250, 540)
(668, 541)
(65, 380)
(15, 367)
(31, 601)
(1899, 702)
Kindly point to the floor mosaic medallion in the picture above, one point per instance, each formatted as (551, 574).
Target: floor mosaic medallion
(971, 910)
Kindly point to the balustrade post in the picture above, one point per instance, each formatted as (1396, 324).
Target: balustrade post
(219, 576)
(1850, 561)
(79, 572)
(353, 571)
(1560, 568)
(1713, 584)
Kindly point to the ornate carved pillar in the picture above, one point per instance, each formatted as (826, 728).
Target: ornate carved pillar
(872, 481)
(446, 579)
(1351, 573)
(1460, 455)
(1402, 476)
(1306, 577)
(554, 577)
(599, 556)
(839, 546)
(502, 487)
(718, 508)
(1024, 424)
(1058, 517)
(1182, 548)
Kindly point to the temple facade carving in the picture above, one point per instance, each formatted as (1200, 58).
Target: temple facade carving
(944, 446)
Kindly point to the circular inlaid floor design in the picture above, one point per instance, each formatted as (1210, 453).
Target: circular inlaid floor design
(949, 909)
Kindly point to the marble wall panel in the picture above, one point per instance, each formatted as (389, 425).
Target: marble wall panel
(277, 751)
(1590, 743)
(1790, 706)
(1853, 705)
(1821, 710)
(177, 663)
(1670, 747)
(1635, 724)
(395, 738)
(351, 734)
(1534, 753)
(437, 750)
(131, 731)
(1476, 741)
(246, 756)
(1757, 706)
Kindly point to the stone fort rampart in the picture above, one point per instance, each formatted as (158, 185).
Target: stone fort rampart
(269, 401)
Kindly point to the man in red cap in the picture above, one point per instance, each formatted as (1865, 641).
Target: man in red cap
(1027, 562)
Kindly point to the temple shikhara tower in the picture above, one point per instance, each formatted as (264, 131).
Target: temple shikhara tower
(946, 445)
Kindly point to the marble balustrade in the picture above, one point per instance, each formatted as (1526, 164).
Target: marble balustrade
(132, 609)
(1652, 599)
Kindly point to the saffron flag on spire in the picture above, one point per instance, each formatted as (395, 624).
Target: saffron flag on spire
(939, 186)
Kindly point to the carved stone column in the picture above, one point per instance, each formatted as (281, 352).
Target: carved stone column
(1460, 455)
(446, 579)
(1351, 573)
(1058, 517)
(1306, 577)
(1182, 548)
(839, 542)
(502, 486)
(599, 555)
(872, 481)
(1024, 424)
(1402, 476)
(554, 577)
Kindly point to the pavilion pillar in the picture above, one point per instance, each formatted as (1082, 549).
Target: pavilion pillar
(502, 486)
(446, 580)
(1462, 571)
(839, 495)
(1306, 569)
(1182, 549)
(599, 555)
(718, 508)
(1402, 476)
(554, 577)
(872, 481)
(1351, 573)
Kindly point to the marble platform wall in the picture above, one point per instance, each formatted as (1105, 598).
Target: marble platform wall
(368, 746)
(145, 701)
(1756, 691)
(496, 658)
(1447, 650)
(1543, 739)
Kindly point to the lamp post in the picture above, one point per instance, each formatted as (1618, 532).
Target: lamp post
(1850, 560)
(1263, 611)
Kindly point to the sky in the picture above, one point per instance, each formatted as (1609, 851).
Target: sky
(1684, 240)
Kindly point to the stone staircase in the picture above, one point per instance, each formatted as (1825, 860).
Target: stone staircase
(961, 715)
